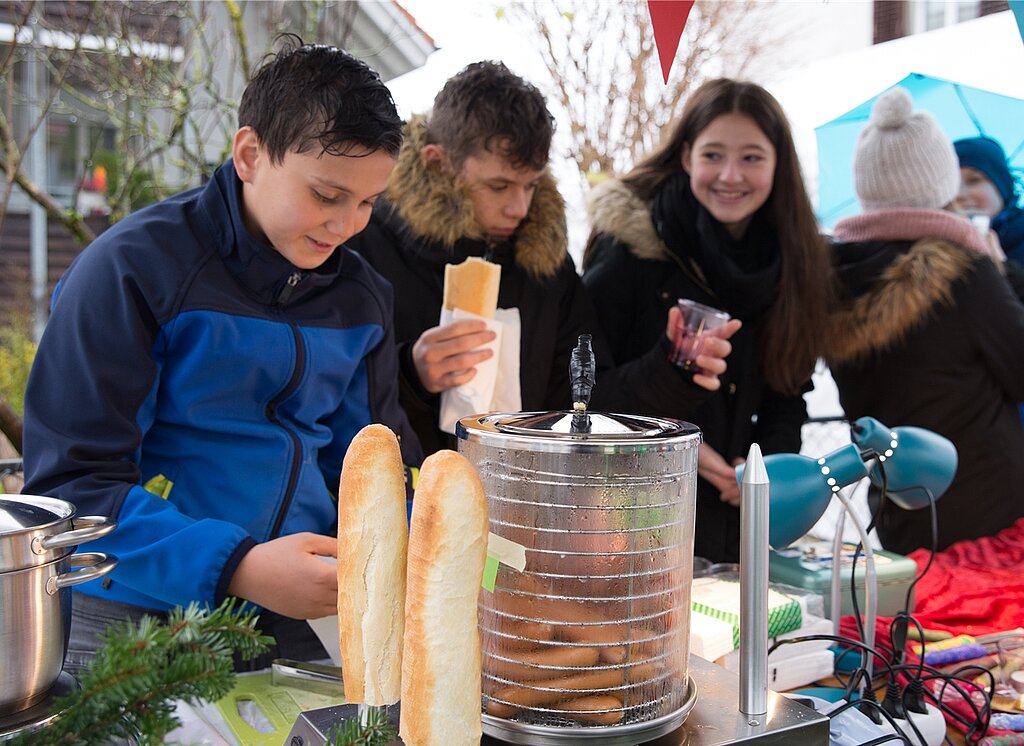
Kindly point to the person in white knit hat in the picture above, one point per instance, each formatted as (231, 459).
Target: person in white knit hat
(927, 331)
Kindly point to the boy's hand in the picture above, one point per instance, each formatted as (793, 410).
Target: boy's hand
(286, 576)
(445, 356)
(711, 360)
(713, 468)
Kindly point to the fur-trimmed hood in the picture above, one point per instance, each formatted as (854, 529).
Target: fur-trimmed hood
(615, 210)
(907, 291)
(435, 206)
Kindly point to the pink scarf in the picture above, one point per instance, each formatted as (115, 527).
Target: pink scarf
(910, 224)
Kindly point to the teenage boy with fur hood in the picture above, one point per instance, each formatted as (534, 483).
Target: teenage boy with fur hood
(472, 180)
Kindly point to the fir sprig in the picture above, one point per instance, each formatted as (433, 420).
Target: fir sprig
(377, 731)
(141, 670)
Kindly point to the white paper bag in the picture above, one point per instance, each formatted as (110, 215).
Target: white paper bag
(495, 387)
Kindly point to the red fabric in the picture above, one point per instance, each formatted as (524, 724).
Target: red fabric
(974, 587)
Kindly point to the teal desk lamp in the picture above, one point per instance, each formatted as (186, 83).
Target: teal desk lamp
(918, 465)
(916, 462)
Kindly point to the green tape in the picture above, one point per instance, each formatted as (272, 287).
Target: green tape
(490, 574)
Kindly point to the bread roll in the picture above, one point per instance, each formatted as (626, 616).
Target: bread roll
(441, 659)
(372, 540)
(472, 286)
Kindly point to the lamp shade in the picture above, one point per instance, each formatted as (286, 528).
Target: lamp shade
(801, 488)
(916, 461)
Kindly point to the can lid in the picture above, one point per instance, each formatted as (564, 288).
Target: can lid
(21, 512)
(554, 431)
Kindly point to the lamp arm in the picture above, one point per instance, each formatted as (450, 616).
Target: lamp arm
(870, 578)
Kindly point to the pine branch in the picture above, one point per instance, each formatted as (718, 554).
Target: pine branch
(142, 669)
(378, 731)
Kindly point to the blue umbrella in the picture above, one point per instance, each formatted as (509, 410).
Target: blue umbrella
(962, 111)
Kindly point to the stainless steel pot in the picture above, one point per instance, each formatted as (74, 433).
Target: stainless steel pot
(38, 536)
(35, 619)
(589, 642)
(38, 530)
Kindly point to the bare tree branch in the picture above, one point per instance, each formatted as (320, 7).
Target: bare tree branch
(605, 75)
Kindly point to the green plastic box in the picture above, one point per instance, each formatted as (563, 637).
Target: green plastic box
(809, 566)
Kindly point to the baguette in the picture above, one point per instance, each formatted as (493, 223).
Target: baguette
(441, 663)
(372, 537)
(472, 286)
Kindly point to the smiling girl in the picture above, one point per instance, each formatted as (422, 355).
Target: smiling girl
(719, 214)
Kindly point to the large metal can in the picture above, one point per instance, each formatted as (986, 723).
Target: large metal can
(589, 643)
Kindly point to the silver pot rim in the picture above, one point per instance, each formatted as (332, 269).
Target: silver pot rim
(36, 530)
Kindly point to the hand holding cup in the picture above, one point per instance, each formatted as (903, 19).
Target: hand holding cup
(695, 323)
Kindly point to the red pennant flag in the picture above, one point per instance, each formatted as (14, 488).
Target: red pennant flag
(668, 17)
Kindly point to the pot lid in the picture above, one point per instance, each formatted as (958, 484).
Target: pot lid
(20, 512)
(555, 431)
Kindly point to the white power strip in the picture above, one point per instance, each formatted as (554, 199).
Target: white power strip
(851, 727)
(931, 724)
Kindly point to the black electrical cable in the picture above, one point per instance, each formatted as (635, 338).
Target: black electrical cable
(979, 724)
(953, 680)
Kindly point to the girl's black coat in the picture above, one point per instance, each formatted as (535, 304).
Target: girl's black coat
(633, 279)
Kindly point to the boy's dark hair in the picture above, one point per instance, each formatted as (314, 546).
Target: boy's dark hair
(311, 95)
(488, 107)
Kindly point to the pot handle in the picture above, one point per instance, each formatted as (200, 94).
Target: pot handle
(94, 565)
(86, 528)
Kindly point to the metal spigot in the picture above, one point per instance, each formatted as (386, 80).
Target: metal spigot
(582, 378)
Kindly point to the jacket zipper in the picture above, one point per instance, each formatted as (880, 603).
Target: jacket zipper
(289, 287)
(271, 414)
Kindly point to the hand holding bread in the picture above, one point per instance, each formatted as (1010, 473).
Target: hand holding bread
(446, 356)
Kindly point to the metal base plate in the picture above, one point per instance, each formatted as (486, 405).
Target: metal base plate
(511, 731)
(714, 719)
(39, 715)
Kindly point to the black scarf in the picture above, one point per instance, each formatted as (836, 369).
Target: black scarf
(742, 274)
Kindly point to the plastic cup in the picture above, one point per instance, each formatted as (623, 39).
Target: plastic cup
(981, 222)
(1011, 665)
(688, 336)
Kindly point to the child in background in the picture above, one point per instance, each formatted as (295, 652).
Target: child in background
(987, 187)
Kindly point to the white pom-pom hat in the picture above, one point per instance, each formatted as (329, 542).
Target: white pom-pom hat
(903, 158)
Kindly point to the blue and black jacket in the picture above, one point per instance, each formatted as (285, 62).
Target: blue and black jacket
(201, 390)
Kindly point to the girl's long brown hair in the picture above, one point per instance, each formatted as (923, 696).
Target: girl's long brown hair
(796, 325)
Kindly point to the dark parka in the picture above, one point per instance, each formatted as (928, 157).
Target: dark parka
(634, 277)
(930, 334)
(426, 221)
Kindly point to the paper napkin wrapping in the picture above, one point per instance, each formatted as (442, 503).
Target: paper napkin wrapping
(495, 387)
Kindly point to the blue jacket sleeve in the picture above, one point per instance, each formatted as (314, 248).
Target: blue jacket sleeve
(88, 405)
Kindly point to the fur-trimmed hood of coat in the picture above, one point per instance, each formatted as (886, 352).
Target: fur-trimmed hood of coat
(910, 289)
(436, 206)
(615, 210)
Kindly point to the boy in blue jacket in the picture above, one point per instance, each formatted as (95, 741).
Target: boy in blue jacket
(209, 358)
